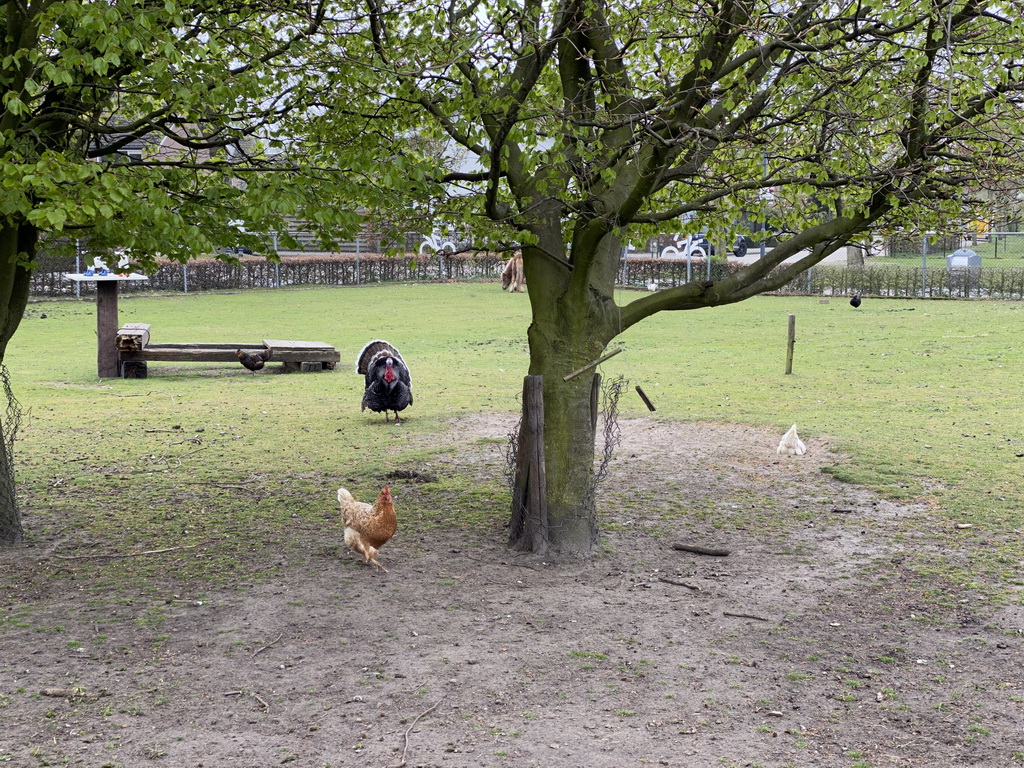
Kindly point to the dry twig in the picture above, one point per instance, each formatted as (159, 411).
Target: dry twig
(412, 725)
(694, 587)
(125, 554)
(268, 645)
(745, 616)
(142, 394)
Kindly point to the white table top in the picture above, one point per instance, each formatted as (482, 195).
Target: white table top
(111, 278)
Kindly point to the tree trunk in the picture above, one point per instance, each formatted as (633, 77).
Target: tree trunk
(572, 324)
(17, 248)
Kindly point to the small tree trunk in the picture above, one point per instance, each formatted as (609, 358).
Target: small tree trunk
(11, 532)
(17, 247)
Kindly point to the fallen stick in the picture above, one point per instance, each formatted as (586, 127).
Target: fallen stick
(217, 485)
(409, 729)
(745, 616)
(261, 701)
(197, 440)
(268, 645)
(694, 587)
(125, 554)
(62, 693)
(697, 549)
(144, 394)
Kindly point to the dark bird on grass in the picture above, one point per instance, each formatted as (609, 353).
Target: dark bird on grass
(254, 360)
(388, 384)
(855, 301)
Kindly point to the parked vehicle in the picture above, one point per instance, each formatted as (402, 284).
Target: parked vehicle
(699, 247)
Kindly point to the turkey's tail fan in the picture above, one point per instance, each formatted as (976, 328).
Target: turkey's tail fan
(373, 351)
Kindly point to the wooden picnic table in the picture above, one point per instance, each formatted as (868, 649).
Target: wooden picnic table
(106, 318)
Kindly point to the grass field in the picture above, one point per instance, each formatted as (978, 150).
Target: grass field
(922, 397)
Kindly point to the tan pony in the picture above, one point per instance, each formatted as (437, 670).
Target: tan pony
(513, 278)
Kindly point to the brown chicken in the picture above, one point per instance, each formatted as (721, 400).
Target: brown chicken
(254, 360)
(368, 527)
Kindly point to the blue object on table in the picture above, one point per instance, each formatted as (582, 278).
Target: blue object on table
(89, 272)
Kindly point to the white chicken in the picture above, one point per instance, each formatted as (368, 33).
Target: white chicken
(791, 444)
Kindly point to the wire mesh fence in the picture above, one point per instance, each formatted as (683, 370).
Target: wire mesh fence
(996, 249)
(11, 531)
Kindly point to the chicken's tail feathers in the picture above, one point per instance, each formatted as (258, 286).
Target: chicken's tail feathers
(344, 497)
(268, 353)
(374, 351)
(791, 444)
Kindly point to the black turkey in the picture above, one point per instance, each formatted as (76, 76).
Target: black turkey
(388, 384)
(855, 301)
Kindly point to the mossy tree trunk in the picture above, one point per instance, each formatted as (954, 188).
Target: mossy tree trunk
(17, 247)
(574, 318)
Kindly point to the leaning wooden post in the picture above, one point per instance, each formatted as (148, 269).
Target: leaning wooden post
(790, 343)
(529, 526)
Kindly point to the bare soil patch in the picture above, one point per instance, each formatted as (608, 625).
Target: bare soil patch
(811, 643)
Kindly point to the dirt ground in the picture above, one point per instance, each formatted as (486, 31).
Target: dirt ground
(810, 644)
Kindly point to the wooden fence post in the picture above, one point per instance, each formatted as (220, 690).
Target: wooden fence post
(106, 329)
(791, 341)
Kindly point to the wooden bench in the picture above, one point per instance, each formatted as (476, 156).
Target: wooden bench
(135, 350)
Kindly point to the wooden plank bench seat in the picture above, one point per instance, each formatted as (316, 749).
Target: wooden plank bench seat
(294, 355)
